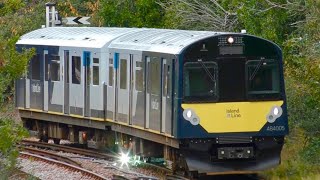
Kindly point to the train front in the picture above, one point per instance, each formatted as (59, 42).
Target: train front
(232, 113)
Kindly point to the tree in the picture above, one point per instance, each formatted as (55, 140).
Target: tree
(127, 13)
(200, 15)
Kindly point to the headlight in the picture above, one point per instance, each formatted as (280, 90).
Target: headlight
(276, 111)
(274, 114)
(191, 116)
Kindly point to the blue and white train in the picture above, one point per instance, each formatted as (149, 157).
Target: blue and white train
(208, 101)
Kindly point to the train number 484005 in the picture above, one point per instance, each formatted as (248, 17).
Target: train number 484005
(276, 128)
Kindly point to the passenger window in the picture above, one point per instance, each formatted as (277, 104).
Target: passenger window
(155, 75)
(165, 80)
(123, 74)
(66, 69)
(95, 60)
(110, 71)
(47, 67)
(95, 71)
(139, 76)
(76, 70)
(168, 80)
(55, 68)
(35, 67)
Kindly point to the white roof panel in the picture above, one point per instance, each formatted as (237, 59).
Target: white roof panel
(157, 40)
(91, 37)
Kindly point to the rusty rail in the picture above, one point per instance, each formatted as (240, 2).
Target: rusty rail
(68, 149)
(51, 155)
(70, 167)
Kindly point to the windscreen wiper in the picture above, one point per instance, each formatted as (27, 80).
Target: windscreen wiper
(256, 69)
(207, 70)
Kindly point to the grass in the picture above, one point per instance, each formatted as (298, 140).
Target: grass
(293, 166)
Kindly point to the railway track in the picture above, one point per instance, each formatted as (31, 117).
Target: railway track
(68, 149)
(85, 174)
(26, 147)
(51, 155)
(27, 144)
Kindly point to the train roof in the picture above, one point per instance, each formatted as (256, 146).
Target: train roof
(143, 39)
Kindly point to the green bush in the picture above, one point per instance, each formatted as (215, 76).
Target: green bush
(10, 134)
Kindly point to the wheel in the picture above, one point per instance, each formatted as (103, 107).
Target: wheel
(44, 139)
(56, 141)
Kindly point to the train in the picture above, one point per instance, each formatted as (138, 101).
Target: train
(205, 102)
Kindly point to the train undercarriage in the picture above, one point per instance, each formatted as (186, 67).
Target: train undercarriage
(189, 157)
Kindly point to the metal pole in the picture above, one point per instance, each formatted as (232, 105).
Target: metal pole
(53, 16)
(50, 6)
(47, 16)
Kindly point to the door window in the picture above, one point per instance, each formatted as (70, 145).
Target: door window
(123, 74)
(35, 67)
(95, 71)
(76, 70)
(110, 71)
(55, 68)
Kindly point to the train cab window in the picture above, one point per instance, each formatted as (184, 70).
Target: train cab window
(55, 68)
(200, 81)
(76, 70)
(263, 78)
(110, 71)
(123, 74)
(139, 76)
(95, 71)
(35, 67)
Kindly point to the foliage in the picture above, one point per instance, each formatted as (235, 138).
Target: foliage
(303, 66)
(13, 65)
(272, 23)
(311, 153)
(10, 134)
(73, 8)
(127, 13)
(17, 19)
(8, 6)
(199, 15)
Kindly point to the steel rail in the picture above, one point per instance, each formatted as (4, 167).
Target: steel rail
(88, 153)
(70, 167)
(50, 155)
(68, 149)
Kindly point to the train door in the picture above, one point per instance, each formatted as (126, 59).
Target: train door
(76, 96)
(153, 93)
(87, 78)
(138, 91)
(46, 71)
(96, 91)
(111, 88)
(131, 84)
(166, 110)
(122, 95)
(36, 81)
(66, 81)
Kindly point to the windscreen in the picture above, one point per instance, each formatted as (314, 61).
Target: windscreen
(200, 81)
(262, 78)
